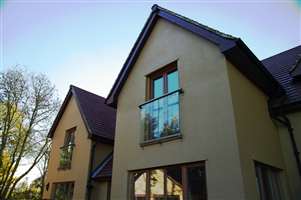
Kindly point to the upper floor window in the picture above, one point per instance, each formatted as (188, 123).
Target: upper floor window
(160, 114)
(164, 82)
(268, 182)
(67, 149)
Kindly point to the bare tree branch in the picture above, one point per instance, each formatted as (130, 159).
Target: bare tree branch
(28, 102)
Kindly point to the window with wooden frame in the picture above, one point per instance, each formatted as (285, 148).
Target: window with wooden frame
(179, 182)
(62, 191)
(162, 81)
(268, 182)
(160, 113)
(67, 149)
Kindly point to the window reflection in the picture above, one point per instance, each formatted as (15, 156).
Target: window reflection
(63, 191)
(173, 81)
(140, 186)
(196, 183)
(162, 184)
(158, 89)
(161, 117)
(156, 184)
(174, 184)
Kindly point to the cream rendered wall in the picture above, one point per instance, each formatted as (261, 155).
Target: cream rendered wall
(81, 153)
(101, 152)
(207, 118)
(102, 190)
(258, 137)
(288, 154)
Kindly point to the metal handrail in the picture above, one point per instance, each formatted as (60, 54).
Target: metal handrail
(165, 95)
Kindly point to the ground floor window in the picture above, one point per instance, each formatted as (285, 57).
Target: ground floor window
(268, 182)
(62, 191)
(179, 182)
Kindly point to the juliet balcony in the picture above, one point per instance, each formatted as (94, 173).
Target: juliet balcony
(160, 118)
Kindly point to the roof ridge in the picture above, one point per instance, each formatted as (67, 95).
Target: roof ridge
(75, 87)
(282, 52)
(156, 7)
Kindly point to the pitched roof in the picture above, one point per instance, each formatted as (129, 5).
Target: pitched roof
(281, 66)
(104, 169)
(233, 48)
(98, 117)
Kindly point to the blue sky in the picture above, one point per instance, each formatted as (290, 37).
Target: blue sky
(85, 43)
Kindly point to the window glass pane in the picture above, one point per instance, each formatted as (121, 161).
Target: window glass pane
(259, 181)
(158, 87)
(174, 185)
(268, 182)
(69, 138)
(172, 119)
(63, 191)
(196, 183)
(66, 156)
(173, 81)
(140, 185)
(157, 184)
(161, 117)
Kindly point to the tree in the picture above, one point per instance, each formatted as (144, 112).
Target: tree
(42, 167)
(24, 191)
(28, 103)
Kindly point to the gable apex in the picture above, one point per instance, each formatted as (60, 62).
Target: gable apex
(99, 118)
(232, 47)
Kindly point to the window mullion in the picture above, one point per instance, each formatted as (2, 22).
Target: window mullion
(148, 184)
(165, 84)
(184, 180)
(165, 184)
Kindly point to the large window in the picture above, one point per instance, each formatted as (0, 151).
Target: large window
(160, 114)
(67, 149)
(268, 182)
(62, 191)
(181, 182)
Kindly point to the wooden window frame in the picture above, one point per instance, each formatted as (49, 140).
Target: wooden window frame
(262, 186)
(66, 145)
(68, 132)
(54, 186)
(162, 72)
(184, 177)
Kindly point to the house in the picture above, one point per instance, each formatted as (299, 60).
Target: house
(80, 164)
(286, 68)
(200, 117)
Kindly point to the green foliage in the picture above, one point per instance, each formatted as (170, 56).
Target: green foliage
(28, 192)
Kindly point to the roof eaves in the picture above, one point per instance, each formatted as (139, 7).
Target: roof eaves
(246, 62)
(102, 139)
(131, 59)
(224, 41)
(285, 108)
